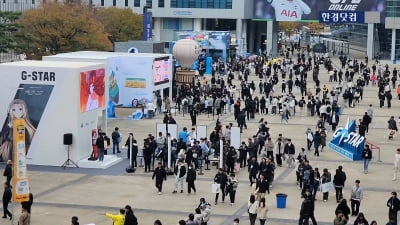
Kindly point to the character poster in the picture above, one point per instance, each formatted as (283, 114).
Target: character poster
(92, 91)
(28, 104)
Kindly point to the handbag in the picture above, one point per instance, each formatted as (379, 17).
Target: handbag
(215, 188)
(326, 187)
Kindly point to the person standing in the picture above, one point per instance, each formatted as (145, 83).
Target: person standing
(28, 203)
(394, 207)
(130, 218)
(356, 197)
(222, 179)
(100, 145)
(6, 200)
(340, 219)
(116, 138)
(289, 151)
(179, 172)
(334, 120)
(132, 143)
(338, 180)
(190, 178)
(262, 211)
(253, 168)
(367, 156)
(8, 171)
(232, 187)
(160, 174)
(147, 153)
(252, 206)
(25, 217)
(396, 163)
(117, 219)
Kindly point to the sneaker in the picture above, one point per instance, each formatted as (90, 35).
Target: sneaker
(159, 193)
(231, 204)
(394, 179)
(325, 200)
(174, 192)
(181, 191)
(4, 217)
(215, 203)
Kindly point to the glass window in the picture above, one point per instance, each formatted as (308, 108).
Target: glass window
(174, 4)
(149, 3)
(205, 4)
(102, 3)
(161, 3)
(114, 2)
(126, 3)
(136, 3)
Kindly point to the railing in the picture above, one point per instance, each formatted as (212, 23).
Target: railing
(373, 147)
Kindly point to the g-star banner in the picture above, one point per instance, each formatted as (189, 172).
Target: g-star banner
(20, 178)
(347, 142)
(295, 10)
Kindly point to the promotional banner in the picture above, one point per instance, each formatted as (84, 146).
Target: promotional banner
(147, 26)
(131, 81)
(20, 177)
(309, 10)
(161, 70)
(347, 142)
(92, 90)
(28, 104)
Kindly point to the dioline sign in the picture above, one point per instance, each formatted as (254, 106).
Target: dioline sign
(347, 142)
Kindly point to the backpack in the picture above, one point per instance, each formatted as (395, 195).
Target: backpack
(328, 109)
(301, 103)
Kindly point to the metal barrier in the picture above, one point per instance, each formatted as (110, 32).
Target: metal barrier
(372, 147)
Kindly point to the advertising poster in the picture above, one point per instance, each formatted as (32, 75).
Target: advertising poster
(161, 70)
(92, 91)
(20, 178)
(131, 81)
(309, 10)
(28, 104)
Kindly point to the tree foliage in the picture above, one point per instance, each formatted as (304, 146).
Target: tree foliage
(8, 30)
(289, 27)
(120, 24)
(315, 27)
(59, 27)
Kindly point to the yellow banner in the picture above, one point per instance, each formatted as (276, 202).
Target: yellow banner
(20, 177)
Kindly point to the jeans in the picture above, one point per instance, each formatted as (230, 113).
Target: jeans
(115, 146)
(159, 184)
(262, 221)
(178, 181)
(252, 218)
(222, 188)
(339, 193)
(232, 195)
(191, 186)
(101, 154)
(366, 162)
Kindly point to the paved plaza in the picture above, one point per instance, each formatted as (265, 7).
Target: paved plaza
(88, 193)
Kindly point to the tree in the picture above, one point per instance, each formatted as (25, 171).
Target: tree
(120, 24)
(289, 27)
(8, 30)
(315, 28)
(57, 27)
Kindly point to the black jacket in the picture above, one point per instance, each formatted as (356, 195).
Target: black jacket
(191, 175)
(289, 149)
(307, 207)
(221, 178)
(159, 174)
(182, 171)
(130, 219)
(340, 178)
(7, 195)
(8, 171)
(367, 153)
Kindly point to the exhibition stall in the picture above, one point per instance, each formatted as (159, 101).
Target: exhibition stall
(131, 79)
(54, 99)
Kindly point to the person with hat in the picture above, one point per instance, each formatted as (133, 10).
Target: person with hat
(394, 207)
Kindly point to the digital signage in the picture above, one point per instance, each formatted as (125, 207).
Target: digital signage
(161, 70)
(310, 10)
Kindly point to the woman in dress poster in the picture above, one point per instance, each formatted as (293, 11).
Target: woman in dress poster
(92, 90)
(16, 110)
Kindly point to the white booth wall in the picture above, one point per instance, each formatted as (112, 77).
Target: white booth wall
(61, 114)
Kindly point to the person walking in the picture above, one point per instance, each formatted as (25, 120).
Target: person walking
(342, 207)
(325, 178)
(130, 218)
(262, 211)
(367, 156)
(233, 184)
(338, 180)
(222, 179)
(179, 172)
(160, 174)
(252, 206)
(355, 197)
(394, 207)
(8, 171)
(25, 217)
(289, 151)
(307, 210)
(6, 200)
(396, 164)
(190, 178)
(28, 203)
(340, 219)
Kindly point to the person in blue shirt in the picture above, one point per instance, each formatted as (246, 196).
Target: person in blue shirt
(184, 135)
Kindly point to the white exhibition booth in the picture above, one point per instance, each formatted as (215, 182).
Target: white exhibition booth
(54, 98)
(130, 78)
